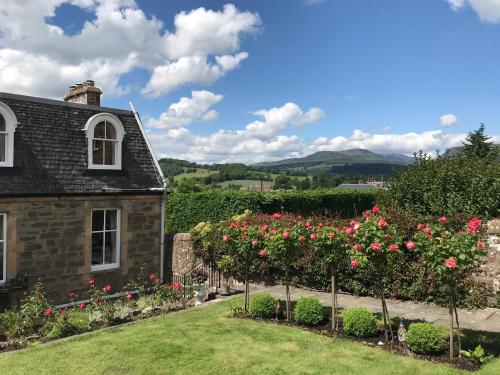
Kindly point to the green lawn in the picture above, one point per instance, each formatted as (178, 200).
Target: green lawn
(205, 341)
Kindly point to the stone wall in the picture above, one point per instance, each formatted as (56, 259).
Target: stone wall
(183, 258)
(491, 269)
(50, 239)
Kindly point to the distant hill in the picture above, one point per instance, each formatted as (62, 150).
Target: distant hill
(336, 158)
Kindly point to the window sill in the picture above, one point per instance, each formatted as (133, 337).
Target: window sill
(105, 167)
(104, 267)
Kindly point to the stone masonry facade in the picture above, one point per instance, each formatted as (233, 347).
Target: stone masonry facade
(50, 239)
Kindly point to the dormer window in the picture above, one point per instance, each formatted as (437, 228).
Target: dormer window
(104, 141)
(8, 124)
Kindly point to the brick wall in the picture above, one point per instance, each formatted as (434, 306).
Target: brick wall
(50, 239)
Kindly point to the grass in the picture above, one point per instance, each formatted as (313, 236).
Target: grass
(200, 172)
(245, 184)
(206, 341)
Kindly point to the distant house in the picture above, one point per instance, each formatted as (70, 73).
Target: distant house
(81, 195)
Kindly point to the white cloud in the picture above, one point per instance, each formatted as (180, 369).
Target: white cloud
(448, 119)
(189, 69)
(188, 110)
(119, 38)
(487, 10)
(258, 141)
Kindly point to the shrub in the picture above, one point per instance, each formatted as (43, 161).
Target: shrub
(424, 338)
(262, 306)
(185, 210)
(309, 311)
(68, 323)
(359, 322)
(13, 325)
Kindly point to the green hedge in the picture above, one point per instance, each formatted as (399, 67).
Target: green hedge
(185, 210)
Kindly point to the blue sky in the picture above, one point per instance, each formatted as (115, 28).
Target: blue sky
(387, 75)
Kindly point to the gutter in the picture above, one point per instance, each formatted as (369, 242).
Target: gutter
(160, 172)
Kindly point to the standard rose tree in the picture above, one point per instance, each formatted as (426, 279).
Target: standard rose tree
(452, 255)
(374, 242)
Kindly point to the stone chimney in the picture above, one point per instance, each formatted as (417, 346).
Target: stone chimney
(84, 93)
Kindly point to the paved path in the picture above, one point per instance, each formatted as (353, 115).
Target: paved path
(479, 320)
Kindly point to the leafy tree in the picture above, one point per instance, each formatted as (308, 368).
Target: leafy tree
(478, 144)
(188, 185)
(282, 182)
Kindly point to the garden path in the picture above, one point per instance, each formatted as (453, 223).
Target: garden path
(487, 319)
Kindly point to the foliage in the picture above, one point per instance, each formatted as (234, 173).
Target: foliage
(477, 144)
(185, 210)
(66, 323)
(447, 184)
(13, 325)
(262, 306)
(424, 338)
(309, 311)
(478, 355)
(359, 322)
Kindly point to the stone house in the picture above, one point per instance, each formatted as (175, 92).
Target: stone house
(81, 194)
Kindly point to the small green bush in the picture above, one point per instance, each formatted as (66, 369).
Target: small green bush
(309, 311)
(71, 322)
(424, 338)
(262, 306)
(359, 322)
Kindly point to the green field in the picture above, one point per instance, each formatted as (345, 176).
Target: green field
(245, 184)
(206, 341)
(200, 172)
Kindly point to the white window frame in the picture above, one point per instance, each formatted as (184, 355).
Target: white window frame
(10, 127)
(120, 133)
(4, 241)
(106, 266)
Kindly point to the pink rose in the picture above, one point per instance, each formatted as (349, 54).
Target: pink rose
(450, 263)
(420, 226)
(273, 231)
(48, 312)
(92, 282)
(152, 277)
(375, 209)
(265, 227)
(355, 263)
(314, 236)
(382, 223)
(357, 247)
(352, 223)
(286, 235)
(443, 219)
(277, 216)
(427, 230)
(367, 213)
(349, 231)
(243, 230)
(232, 225)
(473, 225)
(331, 235)
(376, 246)
(255, 243)
(302, 238)
(480, 245)
(107, 288)
(82, 306)
(129, 297)
(393, 247)
(263, 253)
(226, 238)
(388, 237)
(410, 245)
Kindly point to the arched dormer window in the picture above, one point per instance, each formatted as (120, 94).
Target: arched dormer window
(104, 141)
(8, 124)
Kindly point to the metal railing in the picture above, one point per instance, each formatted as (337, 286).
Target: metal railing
(187, 282)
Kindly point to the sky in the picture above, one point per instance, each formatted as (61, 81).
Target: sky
(251, 81)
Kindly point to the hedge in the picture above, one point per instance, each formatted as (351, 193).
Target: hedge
(185, 210)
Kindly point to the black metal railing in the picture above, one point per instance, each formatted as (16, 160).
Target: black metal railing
(186, 280)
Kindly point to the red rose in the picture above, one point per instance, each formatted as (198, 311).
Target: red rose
(320, 225)
(473, 225)
(82, 305)
(172, 286)
(108, 288)
(367, 213)
(382, 223)
(450, 263)
(265, 227)
(352, 223)
(331, 235)
(349, 231)
(71, 295)
(232, 225)
(277, 216)
(376, 246)
(255, 243)
(62, 312)
(286, 235)
(375, 209)
(410, 245)
(420, 226)
(48, 312)
(314, 236)
(263, 253)
(355, 263)
(92, 282)
(393, 247)
(243, 237)
(243, 230)
(443, 219)
(388, 237)
(152, 277)
(427, 230)
(357, 247)
(163, 286)
(273, 231)
(226, 238)
(129, 297)
(178, 287)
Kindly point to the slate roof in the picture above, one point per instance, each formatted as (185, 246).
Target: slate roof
(50, 153)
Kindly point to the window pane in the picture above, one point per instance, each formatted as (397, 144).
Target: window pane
(110, 131)
(97, 242)
(1, 260)
(110, 247)
(1, 227)
(100, 130)
(3, 146)
(97, 220)
(2, 124)
(111, 219)
(109, 156)
(98, 152)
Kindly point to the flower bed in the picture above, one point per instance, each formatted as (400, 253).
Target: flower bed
(37, 319)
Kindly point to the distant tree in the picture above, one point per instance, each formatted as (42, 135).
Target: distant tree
(282, 182)
(188, 185)
(477, 144)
